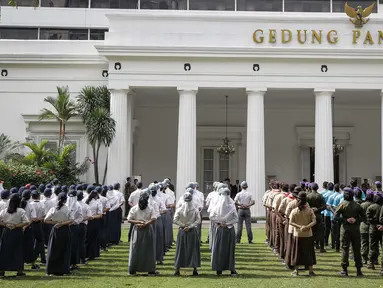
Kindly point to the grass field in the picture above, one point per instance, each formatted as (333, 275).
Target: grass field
(255, 264)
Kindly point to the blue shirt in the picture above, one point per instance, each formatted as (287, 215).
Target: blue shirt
(330, 202)
(338, 199)
(324, 191)
(326, 196)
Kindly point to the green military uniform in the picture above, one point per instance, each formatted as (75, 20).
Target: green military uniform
(364, 233)
(316, 200)
(373, 213)
(350, 233)
(381, 223)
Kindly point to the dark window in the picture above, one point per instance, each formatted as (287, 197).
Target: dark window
(65, 3)
(211, 5)
(338, 6)
(97, 34)
(21, 3)
(307, 5)
(63, 34)
(259, 5)
(18, 33)
(164, 4)
(123, 4)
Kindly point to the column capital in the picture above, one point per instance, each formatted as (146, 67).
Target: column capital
(256, 90)
(187, 88)
(323, 91)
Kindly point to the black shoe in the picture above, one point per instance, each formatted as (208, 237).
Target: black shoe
(74, 267)
(177, 273)
(160, 263)
(21, 274)
(312, 274)
(207, 242)
(371, 266)
(322, 251)
(153, 273)
(35, 267)
(195, 273)
(83, 262)
(251, 242)
(337, 250)
(359, 272)
(343, 273)
(2, 274)
(233, 273)
(219, 273)
(238, 241)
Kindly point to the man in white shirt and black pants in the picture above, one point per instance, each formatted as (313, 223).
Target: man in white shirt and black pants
(244, 200)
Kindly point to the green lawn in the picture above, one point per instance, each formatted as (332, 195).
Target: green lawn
(256, 266)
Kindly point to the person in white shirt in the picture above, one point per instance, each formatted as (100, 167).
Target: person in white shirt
(224, 215)
(210, 200)
(188, 253)
(49, 202)
(121, 203)
(38, 227)
(133, 201)
(244, 200)
(104, 238)
(201, 204)
(75, 208)
(142, 253)
(58, 260)
(12, 219)
(1, 186)
(86, 215)
(4, 195)
(93, 231)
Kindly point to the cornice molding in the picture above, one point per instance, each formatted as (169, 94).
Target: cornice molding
(20, 58)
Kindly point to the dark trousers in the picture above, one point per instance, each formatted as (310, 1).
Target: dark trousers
(244, 215)
(335, 231)
(39, 249)
(365, 246)
(375, 237)
(351, 236)
(327, 225)
(81, 240)
(267, 225)
(318, 231)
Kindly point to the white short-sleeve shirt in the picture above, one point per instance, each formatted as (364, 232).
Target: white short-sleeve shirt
(62, 215)
(142, 215)
(244, 197)
(15, 218)
(135, 197)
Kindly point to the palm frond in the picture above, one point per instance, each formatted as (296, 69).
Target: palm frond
(100, 127)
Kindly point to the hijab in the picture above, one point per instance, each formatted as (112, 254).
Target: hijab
(224, 206)
(72, 199)
(187, 205)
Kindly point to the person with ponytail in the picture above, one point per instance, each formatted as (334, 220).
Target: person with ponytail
(86, 215)
(38, 249)
(12, 219)
(59, 244)
(48, 203)
(93, 230)
(142, 255)
(103, 222)
(75, 208)
(303, 219)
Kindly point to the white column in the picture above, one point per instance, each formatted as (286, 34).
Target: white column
(187, 140)
(120, 156)
(381, 127)
(255, 148)
(324, 159)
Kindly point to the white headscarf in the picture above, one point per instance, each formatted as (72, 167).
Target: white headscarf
(224, 206)
(72, 200)
(187, 205)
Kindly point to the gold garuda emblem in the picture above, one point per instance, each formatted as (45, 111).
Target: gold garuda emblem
(358, 16)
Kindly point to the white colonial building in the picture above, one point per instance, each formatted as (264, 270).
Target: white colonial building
(169, 68)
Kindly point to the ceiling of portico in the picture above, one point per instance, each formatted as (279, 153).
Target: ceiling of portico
(273, 98)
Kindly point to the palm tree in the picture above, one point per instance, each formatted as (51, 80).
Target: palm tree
(39, 155)
(94, 107)
(8, 148)
(63, 109)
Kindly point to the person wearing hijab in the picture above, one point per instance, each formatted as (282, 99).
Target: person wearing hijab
(142, 253)
(29, 238)
(93, 230)
(209, 202)
(223, 251)
(350, 214)
(373, 215)
(37, 227)
(167, 218)
(75, 209)
(188, 254)
(104, 220)
(159, 209)
(86, 215)
(365, 227)
(133, 201)
(244, 200)
(12, 219)
(113, 217)
(48, 203)
(303, 219)
(59, 247)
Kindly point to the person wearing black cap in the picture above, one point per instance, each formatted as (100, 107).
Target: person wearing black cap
(93, 229)
(4, 195)
(12, 219)
(244, 200)
(75, 208)
(373, 214)
(350, 214)
(303, 219)
(48, 203)
(59, 247)
(86, 215)
(38, 227)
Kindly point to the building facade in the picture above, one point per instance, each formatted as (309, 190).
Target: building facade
(298, 74)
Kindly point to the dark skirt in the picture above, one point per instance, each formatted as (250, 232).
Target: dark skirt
(75, 247)
(11, 250)
(304, 252)
(104, 231)
(92, 239)
(223, 253)
(38, 248)
(114, 226)
(81, 240)
(28, 245)
(142, 255)
(159, 239)
(59, 251)
(290, 246)
(188, 249)
(47, 229)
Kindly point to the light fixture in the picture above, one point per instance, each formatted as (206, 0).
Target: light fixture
(226, 149)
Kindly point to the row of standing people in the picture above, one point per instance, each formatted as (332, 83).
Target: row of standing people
(72, 224)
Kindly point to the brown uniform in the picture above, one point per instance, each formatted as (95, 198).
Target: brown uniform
(273, 218)
(285, 223)
(278, 221)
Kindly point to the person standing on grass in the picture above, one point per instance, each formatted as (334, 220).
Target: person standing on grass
(93, 229)
(87, 215)
(365, 227)
(12, 219)
(223, 252)
(244, 200)
(373, 215)
(352, 214)
(303, 219)
(133, 201)
(142, 253)
(75, 208)
(37, 227)
(48, 203)
(59, 247)
(188, 254)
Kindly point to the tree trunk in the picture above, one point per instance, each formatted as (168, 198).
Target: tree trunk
(95, 164)
(106, 166)
(63, 136)
(60, 135)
